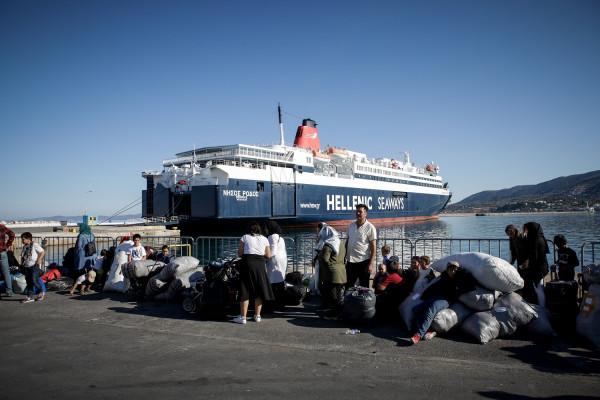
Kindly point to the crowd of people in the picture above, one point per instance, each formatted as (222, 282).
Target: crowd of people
(342, 265)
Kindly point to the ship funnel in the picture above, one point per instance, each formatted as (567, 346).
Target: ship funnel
(307, 135)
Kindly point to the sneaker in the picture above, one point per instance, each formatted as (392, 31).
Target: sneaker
(257, 318)
(27, 299)
(239, 320)
(415, 339)
(40, 296)
(429, 335)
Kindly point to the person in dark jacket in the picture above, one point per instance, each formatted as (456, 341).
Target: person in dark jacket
(535, 267)
(517, 245)
(438, 296)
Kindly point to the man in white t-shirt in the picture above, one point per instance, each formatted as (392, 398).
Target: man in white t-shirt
(360, 248)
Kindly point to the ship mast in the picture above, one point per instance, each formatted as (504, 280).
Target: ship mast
(280, 124)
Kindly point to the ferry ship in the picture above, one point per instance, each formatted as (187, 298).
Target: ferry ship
(299, 185)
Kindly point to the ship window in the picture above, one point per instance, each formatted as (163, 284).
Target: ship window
(238, 183)
(260, 186)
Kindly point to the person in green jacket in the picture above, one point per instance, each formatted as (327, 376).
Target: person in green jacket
(332, 272)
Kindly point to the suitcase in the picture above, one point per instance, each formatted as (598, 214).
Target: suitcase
(561, 300)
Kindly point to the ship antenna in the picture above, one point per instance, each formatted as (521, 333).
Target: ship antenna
(280, 124)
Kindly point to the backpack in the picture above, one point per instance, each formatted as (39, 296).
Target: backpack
(90, 247)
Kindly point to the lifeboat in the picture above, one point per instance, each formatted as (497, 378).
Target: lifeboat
(320, 155)
(430, 168)
(333, 150)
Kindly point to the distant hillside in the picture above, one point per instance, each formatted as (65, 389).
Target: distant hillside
(583, 186)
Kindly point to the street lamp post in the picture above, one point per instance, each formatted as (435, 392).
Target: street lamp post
(86, 202)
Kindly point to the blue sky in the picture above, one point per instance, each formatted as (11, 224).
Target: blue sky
(498, 93)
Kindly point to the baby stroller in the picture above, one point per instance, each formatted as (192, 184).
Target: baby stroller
(213, 296)
(137, 286)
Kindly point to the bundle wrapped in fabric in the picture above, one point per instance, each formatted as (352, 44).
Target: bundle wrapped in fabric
(179, 284)
(539, 326)
(178, 266)
(587, 323)
(359, 304)
(511, 312)
(450, 317)
(116, 281)
(491, 272)
(591, 273)
(140, 268)
(155, 286)
(481, 326)
(480, 299)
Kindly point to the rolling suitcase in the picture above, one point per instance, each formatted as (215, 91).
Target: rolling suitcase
(561, 301)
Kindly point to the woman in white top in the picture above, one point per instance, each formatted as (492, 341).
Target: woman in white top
(254, 250)
(277, 263)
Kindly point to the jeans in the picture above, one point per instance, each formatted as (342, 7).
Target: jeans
(5, 269)
(32, 277)
(426, 311)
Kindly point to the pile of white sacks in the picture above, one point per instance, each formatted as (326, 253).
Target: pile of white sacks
(492, 310)
(181, 273)
(588, 319)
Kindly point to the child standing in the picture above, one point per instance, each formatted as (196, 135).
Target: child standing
(32, 255)
(566, 259)
(137, 252)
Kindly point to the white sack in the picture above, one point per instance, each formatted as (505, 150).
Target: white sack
(140, 268)
(116, 281)
(178, 266)
(480, 299)
(481, 326)
(491, 272)
(539, 326)
(512, 311)
(588, 319)
(179, 284)
(450, 317)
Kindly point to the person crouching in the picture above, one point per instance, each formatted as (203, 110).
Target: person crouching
(85, 282)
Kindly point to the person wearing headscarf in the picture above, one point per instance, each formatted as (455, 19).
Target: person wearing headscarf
(255, 251)
(83, 262)
(332, 272)
(535, 267)
(277, 263)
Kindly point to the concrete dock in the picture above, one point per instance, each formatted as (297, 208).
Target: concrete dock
(101, 346)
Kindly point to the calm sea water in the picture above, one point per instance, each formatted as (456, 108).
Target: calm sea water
(578, 228)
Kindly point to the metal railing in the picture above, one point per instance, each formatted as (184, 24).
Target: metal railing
(588, 252)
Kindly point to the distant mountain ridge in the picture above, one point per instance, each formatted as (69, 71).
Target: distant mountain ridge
(582, 185)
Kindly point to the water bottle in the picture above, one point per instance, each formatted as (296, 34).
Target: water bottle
(352, 331)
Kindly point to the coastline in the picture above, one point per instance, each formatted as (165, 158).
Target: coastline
(493, 214)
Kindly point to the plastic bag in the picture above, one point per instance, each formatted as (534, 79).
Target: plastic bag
(480, 299)
(481, 326)
(359, 304)
(450, 317)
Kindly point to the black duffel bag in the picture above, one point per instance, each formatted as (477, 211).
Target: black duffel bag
(359, 305)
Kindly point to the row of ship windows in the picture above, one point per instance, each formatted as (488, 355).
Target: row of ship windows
(381, 178)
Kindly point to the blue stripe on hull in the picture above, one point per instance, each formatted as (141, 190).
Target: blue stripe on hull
(307, 204)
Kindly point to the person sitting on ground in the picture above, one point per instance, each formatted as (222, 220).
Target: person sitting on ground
(99, 266)
(137, 252)
(438, 296)
(411, 274)
(85, 281)
(379, 276)
(164, 255)
(426, 275)
(391, 290)
(566, 259)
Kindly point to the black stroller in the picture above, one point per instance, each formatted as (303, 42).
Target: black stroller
(137, 286)
(217, 293)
